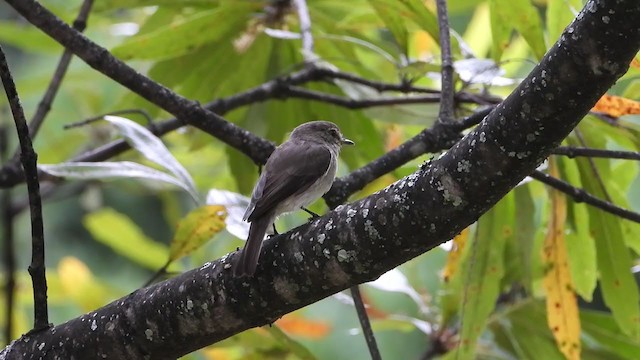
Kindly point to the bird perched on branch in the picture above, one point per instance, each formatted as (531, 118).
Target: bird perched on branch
(297, 173)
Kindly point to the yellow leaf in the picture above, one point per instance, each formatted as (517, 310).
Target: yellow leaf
(297, 325)
(218, 353)
(616, 106)
(80, 285)
(562, 307)
(423, 44)
(453, 258)
(195, 229)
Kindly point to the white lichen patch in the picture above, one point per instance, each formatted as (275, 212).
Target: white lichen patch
(189, 304)
(372, 232)
(286, 290)
(298, 256)
(464, 166)
(451, 192)
(149, 334)
(321, 238)
(94, 326)
(342, 255)
(329, 225)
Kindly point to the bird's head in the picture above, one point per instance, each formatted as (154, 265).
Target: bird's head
(320, 131)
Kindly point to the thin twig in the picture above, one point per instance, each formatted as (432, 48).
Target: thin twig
(364, 322)
(305, 29)
(446, 104)
(579, 195)
(349, 103)
(8, 244)
(100, 117)
(45, 104)
(593, 166)
(599, 153)
(29, 160)
(276, 88)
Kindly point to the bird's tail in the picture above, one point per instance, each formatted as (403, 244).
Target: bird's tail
(248, 259)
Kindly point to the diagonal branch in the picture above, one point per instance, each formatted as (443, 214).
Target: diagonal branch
(189, 112)
(579, 195)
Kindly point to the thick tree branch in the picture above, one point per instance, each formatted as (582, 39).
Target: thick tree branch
(29, 160)
(358, 242)
(440, 137)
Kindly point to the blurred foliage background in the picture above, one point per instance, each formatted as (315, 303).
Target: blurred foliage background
(495, 292)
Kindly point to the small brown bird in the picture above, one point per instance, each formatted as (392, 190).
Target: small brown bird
(297, 173)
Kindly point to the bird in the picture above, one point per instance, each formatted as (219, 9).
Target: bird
(298, 172)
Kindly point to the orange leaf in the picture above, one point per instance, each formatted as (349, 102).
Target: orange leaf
(453, 258)
(616, 106)
(635, 63)
(394, 137)
(562, 306)
(297, 325)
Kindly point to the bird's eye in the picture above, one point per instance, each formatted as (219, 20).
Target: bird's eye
(334, 132)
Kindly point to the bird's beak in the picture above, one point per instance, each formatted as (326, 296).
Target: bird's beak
(346, 141)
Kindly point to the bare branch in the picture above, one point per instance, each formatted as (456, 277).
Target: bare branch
(579, 195)
(29, 160)
(446, 103)
(363, 317)
(573, 152)
(305, 29)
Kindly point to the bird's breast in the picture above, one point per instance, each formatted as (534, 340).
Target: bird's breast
(315, 191)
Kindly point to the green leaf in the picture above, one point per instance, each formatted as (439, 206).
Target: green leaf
(130, 4)
(603, 328)
(195, 229)
(520, 15)
(118, 232)
(560, 13)
(518, 252)
(423, 17)
(485, 268)
(500, 31)
(389, 12)
(619, 288)
(522, 330)
(293, 346)
(580, 244)
(27, 38)
(187, 34)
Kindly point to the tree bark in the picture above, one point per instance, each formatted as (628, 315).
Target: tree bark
(360, 241)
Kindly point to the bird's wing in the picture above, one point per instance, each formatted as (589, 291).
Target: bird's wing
(290, 170)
